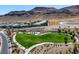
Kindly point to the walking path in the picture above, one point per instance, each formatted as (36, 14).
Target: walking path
(19, 45)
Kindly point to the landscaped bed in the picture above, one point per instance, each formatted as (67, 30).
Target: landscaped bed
(28, 40)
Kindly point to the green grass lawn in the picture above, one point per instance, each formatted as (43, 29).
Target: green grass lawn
(27, 40)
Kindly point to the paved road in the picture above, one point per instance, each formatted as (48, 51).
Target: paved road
(47, 28)
(5, 45)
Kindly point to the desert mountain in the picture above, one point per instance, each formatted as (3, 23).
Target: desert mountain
(40, 13)
(40, 10)
(74, 9)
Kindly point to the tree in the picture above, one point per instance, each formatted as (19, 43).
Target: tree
(69, 31)
(68, 28)
(76, 29)
(65, 40)
(59, 29)
(73, 37)
(75, 49)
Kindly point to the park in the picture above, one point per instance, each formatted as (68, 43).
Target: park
(27, 40)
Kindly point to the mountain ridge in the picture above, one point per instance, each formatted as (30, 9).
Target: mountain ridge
(45, 10)
(40, 13)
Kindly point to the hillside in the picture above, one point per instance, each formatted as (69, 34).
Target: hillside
(41, 13)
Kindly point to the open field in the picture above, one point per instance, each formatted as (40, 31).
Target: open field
(27, 40)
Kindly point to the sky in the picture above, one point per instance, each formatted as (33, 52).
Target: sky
(7, 8)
